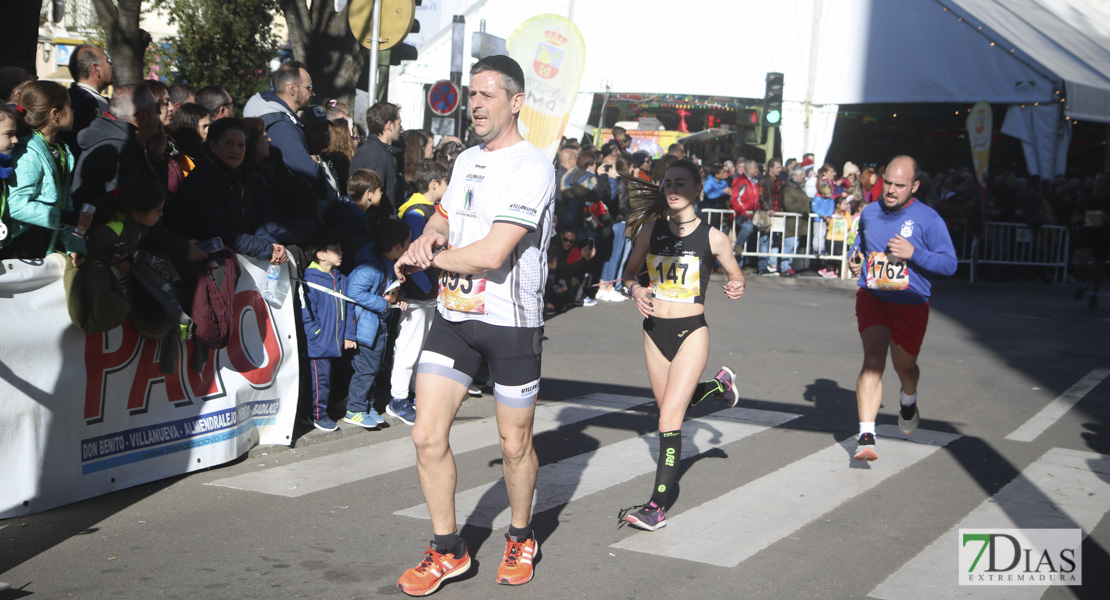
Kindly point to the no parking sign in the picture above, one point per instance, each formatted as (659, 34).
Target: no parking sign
(443, 98)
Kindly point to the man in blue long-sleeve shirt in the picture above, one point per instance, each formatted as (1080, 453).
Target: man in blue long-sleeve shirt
(901, 244)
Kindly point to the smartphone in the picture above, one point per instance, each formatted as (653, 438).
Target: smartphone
(211, 245)
(590, 243)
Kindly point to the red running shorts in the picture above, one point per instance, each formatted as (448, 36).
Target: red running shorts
(906, 322)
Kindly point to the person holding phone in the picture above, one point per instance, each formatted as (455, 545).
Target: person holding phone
(900, 246)
(677, 248)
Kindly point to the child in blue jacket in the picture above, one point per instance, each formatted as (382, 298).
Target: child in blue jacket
(369, 281)
(823, 205)
(328, 324)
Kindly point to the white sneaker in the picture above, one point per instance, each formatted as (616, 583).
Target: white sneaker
(612, 295)
(588, 301)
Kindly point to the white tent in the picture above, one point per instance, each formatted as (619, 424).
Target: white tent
(1049, 55)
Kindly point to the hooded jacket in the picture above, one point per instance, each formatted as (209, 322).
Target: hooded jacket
(366, 286)
(286, 132)
(327, 319)
(110, 155)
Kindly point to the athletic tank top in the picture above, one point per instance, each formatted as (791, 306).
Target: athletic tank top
(679, 267)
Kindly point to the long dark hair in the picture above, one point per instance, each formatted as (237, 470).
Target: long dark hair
(647, 200)
(415, 142)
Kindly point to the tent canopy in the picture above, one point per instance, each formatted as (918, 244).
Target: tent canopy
(1070, 40)
(831, 52)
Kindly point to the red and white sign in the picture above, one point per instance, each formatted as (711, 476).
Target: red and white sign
(85, 415)
(443, 98)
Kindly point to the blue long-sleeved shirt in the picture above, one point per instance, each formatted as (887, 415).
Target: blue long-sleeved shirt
(933, 252)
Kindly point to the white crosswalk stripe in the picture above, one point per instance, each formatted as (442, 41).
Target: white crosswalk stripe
(780, 503)
(585, 474)
(314, 475)
(1062, 489)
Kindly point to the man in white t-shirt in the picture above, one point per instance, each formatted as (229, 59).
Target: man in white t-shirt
(489, 238)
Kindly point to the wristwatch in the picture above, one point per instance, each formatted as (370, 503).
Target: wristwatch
(435, 253)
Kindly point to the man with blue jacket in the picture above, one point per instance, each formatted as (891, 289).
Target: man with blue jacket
(902, 243)
(368, 284)
(278, 110)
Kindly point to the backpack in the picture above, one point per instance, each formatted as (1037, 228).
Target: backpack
(213, 300)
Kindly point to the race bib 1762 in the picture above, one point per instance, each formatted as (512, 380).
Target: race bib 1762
(884, 272)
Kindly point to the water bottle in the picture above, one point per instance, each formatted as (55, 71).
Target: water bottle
(269, 290)
(85, 208)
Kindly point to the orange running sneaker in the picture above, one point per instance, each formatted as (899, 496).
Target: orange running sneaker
(516, 567)
(425, 578)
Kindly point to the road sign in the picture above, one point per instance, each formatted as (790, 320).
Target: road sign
(443, 98)
(397, 19)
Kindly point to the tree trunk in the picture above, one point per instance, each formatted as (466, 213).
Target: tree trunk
(19, 36)
(322, 40)
(126, 42)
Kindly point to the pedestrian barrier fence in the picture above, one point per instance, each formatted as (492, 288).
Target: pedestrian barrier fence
(791, 237)
(996, 243)
(1014, 244)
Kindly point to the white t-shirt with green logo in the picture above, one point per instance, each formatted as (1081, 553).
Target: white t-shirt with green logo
(512, 185)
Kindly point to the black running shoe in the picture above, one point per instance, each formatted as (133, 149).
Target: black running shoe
(727, 380)
(908, 418)
(648, 516)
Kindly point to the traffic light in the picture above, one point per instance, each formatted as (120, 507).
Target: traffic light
(772, 101)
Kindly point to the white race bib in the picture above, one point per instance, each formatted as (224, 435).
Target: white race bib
(462, 293)
(675, 278)
(884, 272)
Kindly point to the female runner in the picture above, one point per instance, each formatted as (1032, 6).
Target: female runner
(676, 245)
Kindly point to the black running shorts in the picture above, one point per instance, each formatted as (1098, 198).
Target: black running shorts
(456, 351)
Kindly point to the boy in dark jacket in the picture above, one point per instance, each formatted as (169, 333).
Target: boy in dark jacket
(368, 286)
(328, 324)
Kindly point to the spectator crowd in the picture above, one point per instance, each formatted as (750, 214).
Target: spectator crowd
(150, 190)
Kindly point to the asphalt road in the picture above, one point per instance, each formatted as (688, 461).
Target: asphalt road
(769, 503)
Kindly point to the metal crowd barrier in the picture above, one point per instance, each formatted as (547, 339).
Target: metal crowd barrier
(1014, 244)
(995, 244)
(723, 219)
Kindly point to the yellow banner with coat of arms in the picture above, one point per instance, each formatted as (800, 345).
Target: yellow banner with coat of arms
(552, 53)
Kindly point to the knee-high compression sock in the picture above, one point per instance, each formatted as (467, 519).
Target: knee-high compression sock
(706, 389)
(670, 453)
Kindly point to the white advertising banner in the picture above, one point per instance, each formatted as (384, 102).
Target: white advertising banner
(84, 415)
